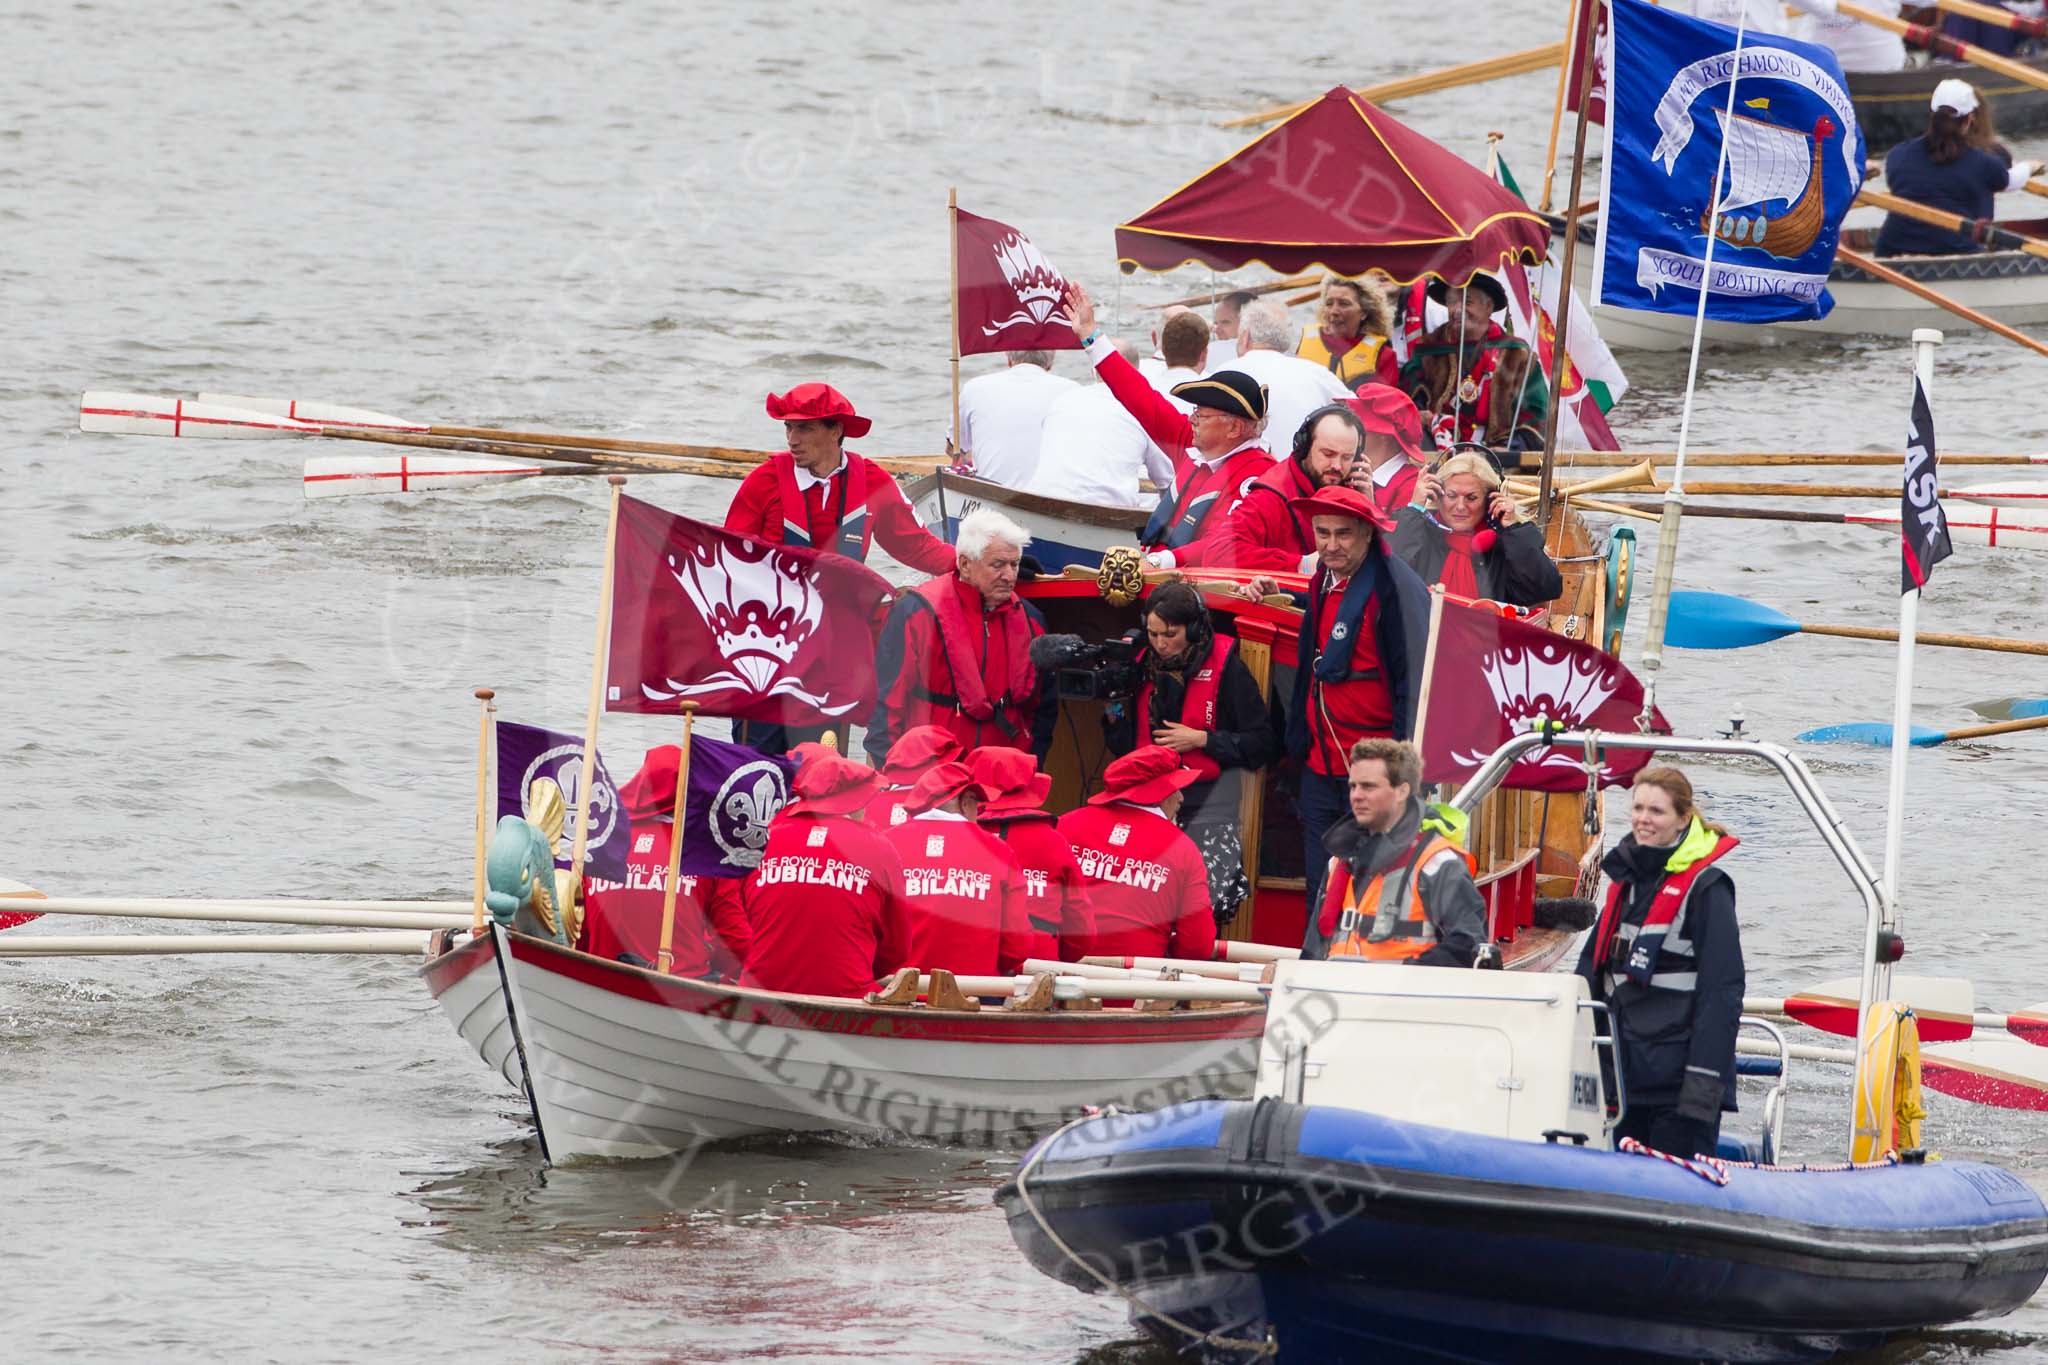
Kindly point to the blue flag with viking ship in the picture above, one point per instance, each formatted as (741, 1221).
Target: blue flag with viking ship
(1683, 90)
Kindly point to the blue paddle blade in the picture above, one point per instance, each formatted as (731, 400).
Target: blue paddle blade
(1712, 620)
(1868, 732)
(2027, 710)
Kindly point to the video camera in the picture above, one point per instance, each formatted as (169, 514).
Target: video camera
(1105, 671)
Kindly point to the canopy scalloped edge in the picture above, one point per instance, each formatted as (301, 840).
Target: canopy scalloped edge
(1526, 255)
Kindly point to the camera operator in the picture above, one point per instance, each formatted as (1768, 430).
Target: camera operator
(1466, 534)
(1198, 699)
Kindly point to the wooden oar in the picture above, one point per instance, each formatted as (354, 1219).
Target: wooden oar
(1977, 229)
(336, 476)
(145, 945)
(1921, 736)
(1445, 78)
(1712, 620)
(309, 411)
(1269, 287)
(1870, 266)
(1774, 489)
(1738, 459)
(1996, 17)
(341, 915)
(1988, 527)
(1933, 40)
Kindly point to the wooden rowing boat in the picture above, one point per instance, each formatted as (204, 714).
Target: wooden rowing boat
(2007, 286)
(1892, 105)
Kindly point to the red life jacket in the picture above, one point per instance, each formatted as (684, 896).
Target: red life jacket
(1648, 944)
(1010, 708)
(1198, 711)
(1210, 490)
(847, 529)
(1360, 704)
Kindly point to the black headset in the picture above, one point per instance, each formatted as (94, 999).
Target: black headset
(1305, 434)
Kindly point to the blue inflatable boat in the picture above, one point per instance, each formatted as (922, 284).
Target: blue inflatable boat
(1341, 1235)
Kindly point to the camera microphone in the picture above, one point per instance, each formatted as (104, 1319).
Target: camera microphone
(1057, 651)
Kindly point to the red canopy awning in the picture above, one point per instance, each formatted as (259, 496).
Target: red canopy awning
(1345, 186)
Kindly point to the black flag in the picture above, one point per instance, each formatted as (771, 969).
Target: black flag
(1923, 526)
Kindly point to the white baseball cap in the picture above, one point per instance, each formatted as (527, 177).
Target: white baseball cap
(1955, 94)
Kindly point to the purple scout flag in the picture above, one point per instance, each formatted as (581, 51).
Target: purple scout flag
(734, 792)
(527, 753)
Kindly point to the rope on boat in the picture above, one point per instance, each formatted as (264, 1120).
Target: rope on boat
(1268, 1347)
(1711, 1169)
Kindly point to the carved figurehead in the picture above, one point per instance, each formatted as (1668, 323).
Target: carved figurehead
(524, 890)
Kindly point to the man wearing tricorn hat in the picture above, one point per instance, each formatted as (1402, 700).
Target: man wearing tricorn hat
(1360, 652)
(1470, 378)
(1218, 449)
(820, 495)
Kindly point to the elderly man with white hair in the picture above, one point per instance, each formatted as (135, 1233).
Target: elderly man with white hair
(956, 650)
(1266, 339)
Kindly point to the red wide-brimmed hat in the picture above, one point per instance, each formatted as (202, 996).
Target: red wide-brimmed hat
(830, 784)
(652, 792)
(917, 749)
(1390, 412)
(1012, 780)
(940, 784)
(1144, 777)
(1342, 501)
(818, 403)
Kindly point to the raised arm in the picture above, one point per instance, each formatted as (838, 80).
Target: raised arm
(1163, 422)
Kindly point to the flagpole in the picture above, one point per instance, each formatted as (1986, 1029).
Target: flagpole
(665, 958)
(483, 804)
(1564, 73)
(1436, 622)
(953, 250)
(1561, 330)
(586, 790)
(1877, 975)
(1674, 496)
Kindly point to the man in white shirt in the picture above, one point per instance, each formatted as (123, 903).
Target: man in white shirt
(1223, 348)
(1001, 414)
(1294, 387)
(1092, 450)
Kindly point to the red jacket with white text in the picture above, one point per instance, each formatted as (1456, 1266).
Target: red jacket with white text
(1147, 886)
(711, 928)
(1055, 893)
(827, 908)
(966, 896)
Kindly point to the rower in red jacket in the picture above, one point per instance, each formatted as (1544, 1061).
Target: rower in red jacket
(827, 900)
(963, 885)
(1265, 531)
(1147, 886)
(916, 752)
(710, 935)
(1218, 450)
(820, 495)
(1055, 894)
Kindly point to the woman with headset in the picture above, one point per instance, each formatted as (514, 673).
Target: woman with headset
(1466, 533)
(1199, 700)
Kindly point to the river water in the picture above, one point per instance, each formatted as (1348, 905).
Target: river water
(628, 216)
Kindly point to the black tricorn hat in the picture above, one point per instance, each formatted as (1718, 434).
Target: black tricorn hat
(1440, 290)
(1231, 391)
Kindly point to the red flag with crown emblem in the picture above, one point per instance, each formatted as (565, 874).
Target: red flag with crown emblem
(749, 628)
(1493, 676)
(1011, 297)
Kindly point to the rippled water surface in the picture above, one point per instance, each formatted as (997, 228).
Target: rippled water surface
(638, 217)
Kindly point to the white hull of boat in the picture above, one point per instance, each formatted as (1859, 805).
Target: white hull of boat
(1862, 307)
(630, 1064)
(1062, 533)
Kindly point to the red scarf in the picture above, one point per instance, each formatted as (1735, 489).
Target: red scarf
(1337, 346)
(1459, 578)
